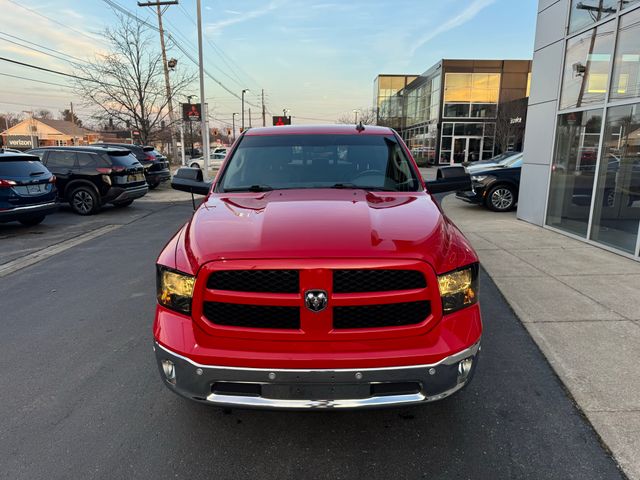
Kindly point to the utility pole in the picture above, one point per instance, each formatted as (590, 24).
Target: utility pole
(158, 4)
(233, 125)
(243, 92)
(249, 117)
(73, 120)
(203, 114)
(264, 118)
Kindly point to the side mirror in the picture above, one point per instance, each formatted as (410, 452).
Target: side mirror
(190, 180)
(450, 179)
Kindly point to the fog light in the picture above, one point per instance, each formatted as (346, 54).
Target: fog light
(169, 370)
(464, 368)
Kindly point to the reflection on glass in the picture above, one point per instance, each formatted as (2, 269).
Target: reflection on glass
(471, 94)
(586, 70)
(626, 66)
(617, 209)
(572, 171)
(587, 12)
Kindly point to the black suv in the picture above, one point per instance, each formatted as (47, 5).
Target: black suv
(89, 177)
(27, 189)
(156, 166)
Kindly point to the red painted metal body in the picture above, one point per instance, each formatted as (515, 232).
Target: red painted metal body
(315, 231)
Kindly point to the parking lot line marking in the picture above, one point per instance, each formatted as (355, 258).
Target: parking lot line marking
(35, 257)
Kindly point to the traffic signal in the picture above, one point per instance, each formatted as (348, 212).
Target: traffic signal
(281, 120)
(215, 132)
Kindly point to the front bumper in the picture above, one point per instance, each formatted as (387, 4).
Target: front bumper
(470, 196)
(28, 211)
(295, 389)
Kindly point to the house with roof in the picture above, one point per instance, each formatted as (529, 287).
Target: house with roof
(35, 132)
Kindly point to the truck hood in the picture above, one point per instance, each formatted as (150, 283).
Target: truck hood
(325, 223)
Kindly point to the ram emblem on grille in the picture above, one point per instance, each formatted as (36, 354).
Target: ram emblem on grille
(316, 300)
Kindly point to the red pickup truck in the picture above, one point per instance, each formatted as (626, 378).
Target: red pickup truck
(318, 273)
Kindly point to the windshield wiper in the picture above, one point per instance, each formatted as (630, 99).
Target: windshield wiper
(359, 187)
(252, 188)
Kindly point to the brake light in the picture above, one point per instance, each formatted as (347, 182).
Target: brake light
(118, 169)
(104, 170)
(149, 157)
(7, 183)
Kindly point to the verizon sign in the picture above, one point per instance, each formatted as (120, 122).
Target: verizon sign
(20, 141)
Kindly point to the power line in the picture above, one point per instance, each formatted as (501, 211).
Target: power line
(93, 39)
(39, 51)
(34, 80)
(126, 12)
(41, 46)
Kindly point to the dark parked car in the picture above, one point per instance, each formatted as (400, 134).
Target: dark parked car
(27, 189)
(156, 165)
(495, 187)
(89, 177)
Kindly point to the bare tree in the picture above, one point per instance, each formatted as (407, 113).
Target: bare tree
(510, 124)
(127, 83)
(44, 114)
(365, 115)
(9, 119)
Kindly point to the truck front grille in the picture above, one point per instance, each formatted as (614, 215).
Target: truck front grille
(267, 281)
(381, 315)
(252, 316)
(354, 281)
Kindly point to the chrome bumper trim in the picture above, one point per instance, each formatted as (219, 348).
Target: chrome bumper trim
(438, 380)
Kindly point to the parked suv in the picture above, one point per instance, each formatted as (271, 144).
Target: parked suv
(89, 177)
(317, 273)
(156, 165)
(27, 189)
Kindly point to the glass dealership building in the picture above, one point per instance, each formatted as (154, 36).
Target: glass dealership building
(581, 172)
(458, 110)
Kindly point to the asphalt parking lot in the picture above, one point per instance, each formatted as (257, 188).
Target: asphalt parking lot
(82, 396)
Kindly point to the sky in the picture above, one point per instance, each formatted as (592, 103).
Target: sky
(318, 59)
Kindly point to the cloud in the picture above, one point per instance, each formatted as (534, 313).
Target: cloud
(460, 19)
(233, 12)
(217, 27)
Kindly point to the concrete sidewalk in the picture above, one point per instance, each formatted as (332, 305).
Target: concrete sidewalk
(581, 305)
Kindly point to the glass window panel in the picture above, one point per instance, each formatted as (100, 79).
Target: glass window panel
(627, 3)
(572, 171)
(446, 143)
(617, 207)
(586, 71)
(456, 110)
(445, 156)
(459, 129)
(484, 110)
(447, 128)
(626, 66)
(587, 12)
(457, 87)
(473, 129)
(487, 155)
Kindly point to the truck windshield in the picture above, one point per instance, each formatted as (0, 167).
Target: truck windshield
(266, 162)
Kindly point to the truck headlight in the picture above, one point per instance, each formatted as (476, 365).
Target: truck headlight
(175, 289)
(478, 178)
(459, 289)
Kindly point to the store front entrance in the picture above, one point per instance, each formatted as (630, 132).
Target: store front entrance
(466, 149)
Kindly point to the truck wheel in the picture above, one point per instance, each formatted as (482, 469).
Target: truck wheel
(501, 198)
(84, 201)
(30, 222)
(195, 165)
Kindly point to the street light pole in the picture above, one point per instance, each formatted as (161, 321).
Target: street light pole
(203, 114)
(189, 97)
(243, 92)
(356, 112)
(233, 125)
